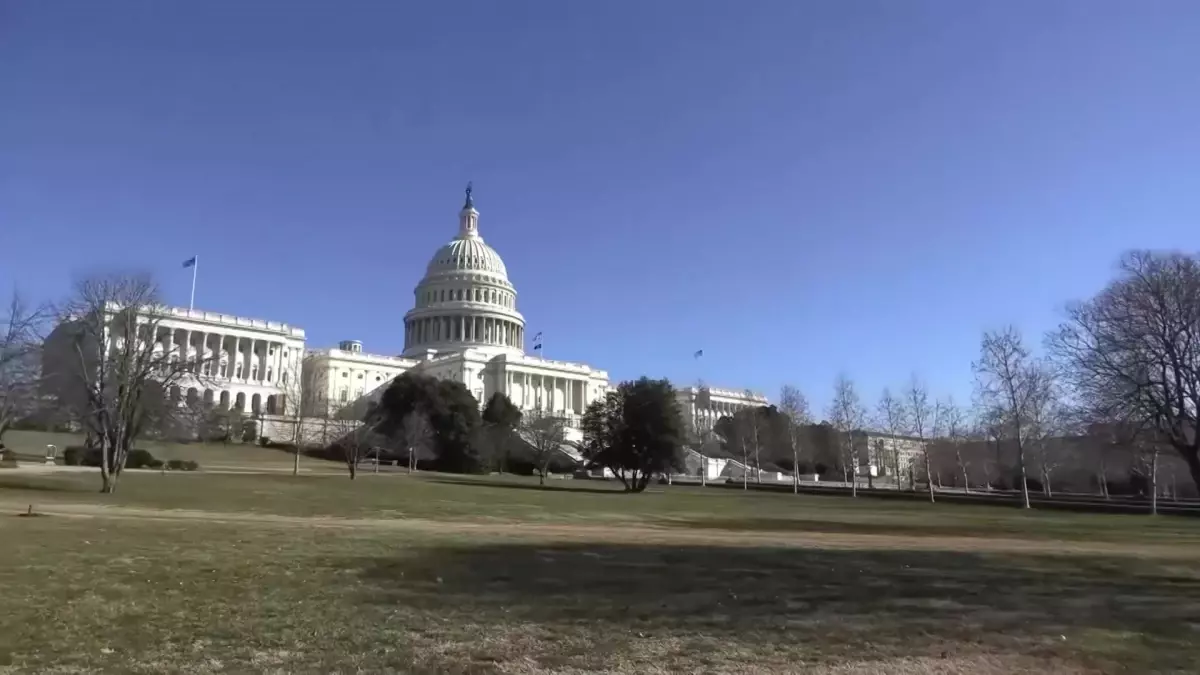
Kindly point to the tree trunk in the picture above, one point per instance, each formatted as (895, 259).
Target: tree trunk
(962, 468)
(1103, 476)
(1154, 482)
(757, 465)
(795, 470)
(852, 465)
(929, 475)
(296, 462)
(1024, 477)
(353, 466)
(1191, 457)
(109, 482)
(745, 470)
(896, 465)
(542, 477)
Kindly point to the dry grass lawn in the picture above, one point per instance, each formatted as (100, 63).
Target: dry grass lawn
(232, 574)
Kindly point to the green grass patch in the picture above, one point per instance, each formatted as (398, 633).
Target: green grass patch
(435, 573)
(104, 596)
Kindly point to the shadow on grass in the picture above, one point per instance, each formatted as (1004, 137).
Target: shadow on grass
(556, 486)
(925, 529)
(843, 602)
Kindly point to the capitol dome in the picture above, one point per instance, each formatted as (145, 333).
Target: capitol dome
(465, 299)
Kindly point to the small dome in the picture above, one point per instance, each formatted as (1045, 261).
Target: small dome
(466, 254)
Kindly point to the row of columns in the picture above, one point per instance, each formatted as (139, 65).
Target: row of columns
(546, 393)
(459, 328)
(229, 400)
(228, 357)
(717, 409)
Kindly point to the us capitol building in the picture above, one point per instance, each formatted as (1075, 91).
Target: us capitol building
(464, 326)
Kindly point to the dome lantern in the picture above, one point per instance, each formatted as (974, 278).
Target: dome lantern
(468, 218)
(465, 300)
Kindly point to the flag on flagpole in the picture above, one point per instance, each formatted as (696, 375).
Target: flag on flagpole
(537, 347)
(698, 354)
(190, 262)
(538, 336)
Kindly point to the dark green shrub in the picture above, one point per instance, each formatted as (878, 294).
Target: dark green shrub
(74, 455)
(182, 465)
(141, 459)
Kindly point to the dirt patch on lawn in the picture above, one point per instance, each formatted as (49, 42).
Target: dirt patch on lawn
(588, 532)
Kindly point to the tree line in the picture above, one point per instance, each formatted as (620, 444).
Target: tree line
(1116, 387)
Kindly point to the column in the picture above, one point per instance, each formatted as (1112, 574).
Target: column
(200, 367)
(182, 347)
(264, 360)
(462, 329)
(245, 358)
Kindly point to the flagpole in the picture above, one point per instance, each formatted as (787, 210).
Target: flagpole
(195, 266)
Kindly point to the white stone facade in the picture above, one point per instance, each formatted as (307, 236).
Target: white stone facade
(237, 362)
(703, 406)
(248, 364)
(464, 326)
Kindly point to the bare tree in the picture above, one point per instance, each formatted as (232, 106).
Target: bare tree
(757, 422)
(794, 407)
(701, 435)
(544, 433)
(890, 416)
(1009, 380)
(353, 438)
(113, 365)
(418, 436)
(924, 418)
(306, 409)
(1134, 348)
(847, 414)
(956, 435)
(20, 348)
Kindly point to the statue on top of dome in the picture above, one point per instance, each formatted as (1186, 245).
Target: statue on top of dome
(470, 204)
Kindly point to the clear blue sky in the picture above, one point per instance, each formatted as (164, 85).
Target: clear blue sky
(797, 188)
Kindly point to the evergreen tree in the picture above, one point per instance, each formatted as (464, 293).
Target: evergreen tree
(452, 411)
(636, 431)
(500, 421)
